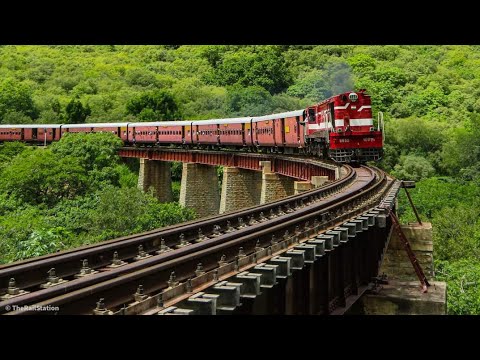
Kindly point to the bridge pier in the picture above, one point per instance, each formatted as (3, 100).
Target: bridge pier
(397, 265)
(199, 189)
(302, 186)
(156, 174)
(318, 181)
(274, 186)
(402, 295)
(240, 189)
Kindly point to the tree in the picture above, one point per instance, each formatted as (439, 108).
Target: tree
(92, 150)
(312, 85)
(154, 106)
(461, 151)
(249, 101)
(412, 167)
(264, 66)
(42, 177)
(76, 113)
(16, 98)
(463, 285)
(128, 210)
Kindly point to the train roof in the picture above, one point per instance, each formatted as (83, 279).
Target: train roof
(162, 123)
(93, 125)
(241, 120)
(278, 116)
(30, 126)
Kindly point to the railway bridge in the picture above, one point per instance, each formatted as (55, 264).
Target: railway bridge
(283, 235)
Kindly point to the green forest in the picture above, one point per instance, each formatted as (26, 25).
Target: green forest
(76, 191)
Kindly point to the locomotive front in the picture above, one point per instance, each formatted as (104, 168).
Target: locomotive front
(344, 126)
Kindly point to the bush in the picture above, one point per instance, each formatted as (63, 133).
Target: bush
(463, 285)
(413, 167)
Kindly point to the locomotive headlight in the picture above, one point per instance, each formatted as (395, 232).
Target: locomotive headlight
(353, 97)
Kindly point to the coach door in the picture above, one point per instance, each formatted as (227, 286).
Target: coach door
(297, 128)
(275, 123)
(282, 129)
(332, 114)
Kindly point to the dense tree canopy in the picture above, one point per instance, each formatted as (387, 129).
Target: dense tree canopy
(76, 113)
(154, 106)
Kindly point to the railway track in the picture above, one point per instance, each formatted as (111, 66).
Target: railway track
(35, 275)
(164, 273)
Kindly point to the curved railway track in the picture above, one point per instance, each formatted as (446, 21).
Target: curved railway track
(32, 275)
(170, 270)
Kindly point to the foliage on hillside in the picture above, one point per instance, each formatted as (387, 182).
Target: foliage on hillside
(428, 94)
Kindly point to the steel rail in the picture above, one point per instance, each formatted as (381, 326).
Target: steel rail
(31, 273)
(154, 272)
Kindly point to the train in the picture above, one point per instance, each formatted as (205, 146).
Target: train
(340, 128)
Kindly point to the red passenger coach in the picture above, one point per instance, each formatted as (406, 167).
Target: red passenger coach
(30, 133)
(283, 130)
(233, 132)
(143, 133)
(205, 132)
(263, 131)
(118, 129)
(11, 133)
(172, 132)
(47, 133)
(161, 132)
